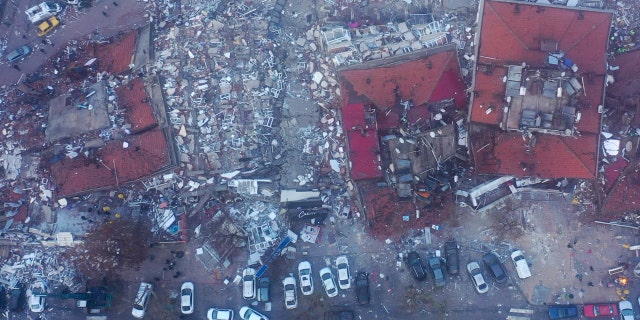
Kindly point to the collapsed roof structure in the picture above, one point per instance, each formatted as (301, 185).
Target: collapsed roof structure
(398, 116)
(113, 131)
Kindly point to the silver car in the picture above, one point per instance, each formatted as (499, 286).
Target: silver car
(328, 282)
(476, 276)
(306, 281)
(18, 54)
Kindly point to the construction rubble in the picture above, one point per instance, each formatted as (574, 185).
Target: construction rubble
(235, 131)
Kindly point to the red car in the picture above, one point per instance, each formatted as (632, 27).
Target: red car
(600, 310)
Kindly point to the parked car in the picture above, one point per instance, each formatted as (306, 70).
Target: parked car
(563, 311)
(37, 293)
(247, 313)
(416, 266)
(264, 289)
(46, 26)
(594, 310)
(290, 298)
(435, 264)
(339, 315)
(452, 257)
(219, 314)
(142, 300)
(495, 266)
(344, 281)
(522, 267)
(328, 282)
(626, 310)
(186, 298)
(17, 298)
(306, 280)
(362, 287)
(18, 54)
(476, 276)
(249, 283)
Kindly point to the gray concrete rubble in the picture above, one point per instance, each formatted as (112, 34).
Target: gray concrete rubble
(249, 108)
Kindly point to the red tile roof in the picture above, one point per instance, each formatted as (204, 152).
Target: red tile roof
(353, 116)
(553, 156)
(139, 113)
(388, 119)
(363, 142)
(363, 154)
(418, 80)
(627, 78)
(510, 38)
(511, 33)
(625, 195)
(116, 57)
(146, 154)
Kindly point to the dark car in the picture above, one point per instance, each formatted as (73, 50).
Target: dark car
(452, 257)
(362, 287)
(3, 299)
(495, 266)
(435, 264)
(416, 266)
(17, 298)
(18, 54)
(561, 312)
(264, 289)
(339, 315)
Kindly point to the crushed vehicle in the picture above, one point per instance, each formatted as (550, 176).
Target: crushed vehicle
(43, 11)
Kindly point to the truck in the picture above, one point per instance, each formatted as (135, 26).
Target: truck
(43, 11)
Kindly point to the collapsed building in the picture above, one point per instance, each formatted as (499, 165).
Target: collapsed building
(538, 91)
(399, 116)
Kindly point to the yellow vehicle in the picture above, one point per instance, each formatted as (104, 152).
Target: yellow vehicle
(46, 26)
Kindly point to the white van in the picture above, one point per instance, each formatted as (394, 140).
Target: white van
(249, 283)
(142, 299)
(522, 267)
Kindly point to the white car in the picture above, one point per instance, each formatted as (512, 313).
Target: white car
(306, 281)
(219, 314)
(344, 278)
(249, 283)
(328, 282)
(247, 313)
(522, 267)
(141, 300)
(290, 299)
(476, 276)
(36, 294)
(186, 298)
(626, 310)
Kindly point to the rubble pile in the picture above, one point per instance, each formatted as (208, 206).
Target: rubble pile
(626, 24)
(37, 263)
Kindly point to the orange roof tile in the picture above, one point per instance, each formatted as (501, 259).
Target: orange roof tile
(416, 80)
(627, 78)
(511, 33)
(553, 156)
(146, 154)
(139, 113)
(116, 57)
